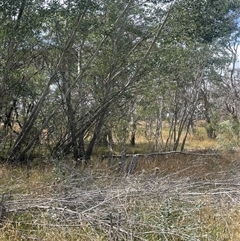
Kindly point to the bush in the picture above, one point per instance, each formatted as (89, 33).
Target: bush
(228, 135)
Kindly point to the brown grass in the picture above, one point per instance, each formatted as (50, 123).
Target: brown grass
(197, 140)
(195, 196)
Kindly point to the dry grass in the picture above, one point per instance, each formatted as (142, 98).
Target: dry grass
(195, 141)
(24, 180)
(193, 197)
(199, 140)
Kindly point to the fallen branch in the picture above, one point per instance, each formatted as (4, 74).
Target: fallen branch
(194, 153)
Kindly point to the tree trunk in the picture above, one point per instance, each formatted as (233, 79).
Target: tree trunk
(70, 113)
(96, 133)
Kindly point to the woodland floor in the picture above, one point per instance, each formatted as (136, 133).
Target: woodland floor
(194, 196)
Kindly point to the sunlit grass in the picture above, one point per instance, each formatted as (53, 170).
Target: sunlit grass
(199, 140)
(196, 140)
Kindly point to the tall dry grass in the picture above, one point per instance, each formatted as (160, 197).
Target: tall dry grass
(193, 197)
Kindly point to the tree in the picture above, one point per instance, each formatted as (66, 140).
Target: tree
(76, 68)
(188, 63)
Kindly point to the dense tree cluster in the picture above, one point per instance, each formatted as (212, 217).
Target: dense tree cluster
(76, 74)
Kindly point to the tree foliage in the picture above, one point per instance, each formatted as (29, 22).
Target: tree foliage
(83, 71)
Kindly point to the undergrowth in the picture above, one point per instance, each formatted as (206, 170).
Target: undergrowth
(193, 197)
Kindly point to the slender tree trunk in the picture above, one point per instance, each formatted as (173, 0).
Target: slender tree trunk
(67, 96)
(210, 128)
(96, 133)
